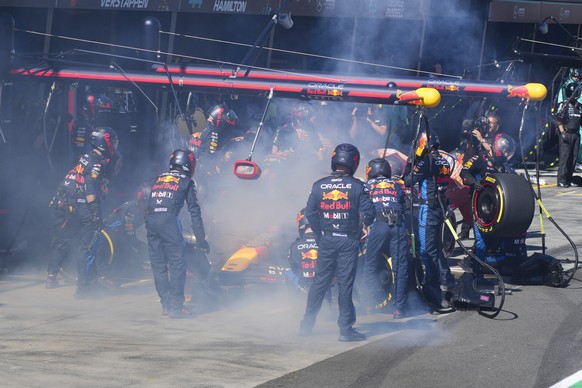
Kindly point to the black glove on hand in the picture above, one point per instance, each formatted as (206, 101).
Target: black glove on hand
(95, 214)
(203, 246)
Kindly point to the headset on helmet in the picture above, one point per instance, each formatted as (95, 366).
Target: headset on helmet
(378, 167)
(302, 222)
(143, 193)
(222, 117)
(301, 112)
(346, 155)
(105, 140)
(503, 147)
(423, 144)
(573, 89)
(183, 159)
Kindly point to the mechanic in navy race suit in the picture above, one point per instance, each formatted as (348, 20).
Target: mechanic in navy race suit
(387, 235)
(92, 171)
(336, 207)
(210, 145)
(302, 255)
(122, 223)
(164, 231)
(432, 173)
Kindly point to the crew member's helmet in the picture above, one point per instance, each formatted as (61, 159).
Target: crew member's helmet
(222, 117)
(423, 144)
(573, 89)
(378, 167)
(575, 72)
(503, 147)
(183, 159)
(105, 140)
(143, 193)
(346, 155)
(302, 222)
(301, 112)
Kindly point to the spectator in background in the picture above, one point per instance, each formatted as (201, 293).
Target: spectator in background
(568, 118)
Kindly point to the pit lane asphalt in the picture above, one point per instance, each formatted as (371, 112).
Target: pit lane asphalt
(47, 338)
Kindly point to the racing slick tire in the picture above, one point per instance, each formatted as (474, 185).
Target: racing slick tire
(504, 207)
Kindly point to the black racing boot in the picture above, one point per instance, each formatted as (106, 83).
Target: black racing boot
(350, 335)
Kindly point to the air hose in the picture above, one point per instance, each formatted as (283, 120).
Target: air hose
(448, 223)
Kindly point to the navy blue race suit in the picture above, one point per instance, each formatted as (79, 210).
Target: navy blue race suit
(432, 173)
(335, 209)
(387, 235)
(209, 146)
(303, 254)
(164, 233)
(90, 173)
(65, 223)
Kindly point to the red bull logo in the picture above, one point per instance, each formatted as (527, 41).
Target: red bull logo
(519, 91)
(309, 255)
(335, 93)
(384, 185)
(411, 97)
(451, 88)
(169, 179)
(444, 170)
(335, 195)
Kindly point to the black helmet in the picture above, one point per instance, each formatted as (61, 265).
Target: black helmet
(423, 144)
(378, 167)
(346, 155)
(221, 117)
(142, 195)
(183, 159)
(573, 89)
(302, 222)
(301, 112)
(503, 147)
(105, 140)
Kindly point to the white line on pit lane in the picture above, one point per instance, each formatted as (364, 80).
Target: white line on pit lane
(569, 381)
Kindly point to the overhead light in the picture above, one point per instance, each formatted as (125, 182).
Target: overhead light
(284, 19)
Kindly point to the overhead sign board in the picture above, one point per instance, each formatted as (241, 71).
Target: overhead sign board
(378, 9)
